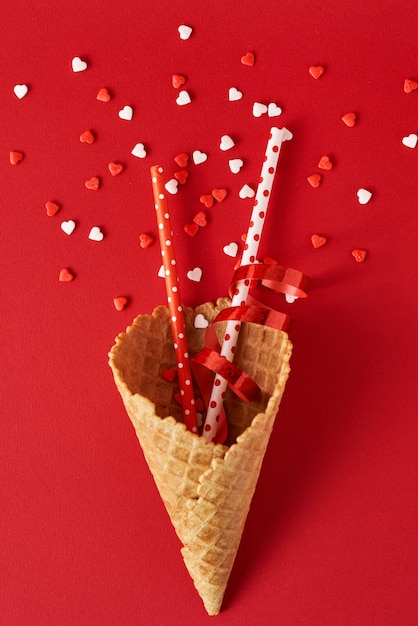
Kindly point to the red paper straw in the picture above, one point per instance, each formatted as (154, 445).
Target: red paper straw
(173, 298)
(252, 241)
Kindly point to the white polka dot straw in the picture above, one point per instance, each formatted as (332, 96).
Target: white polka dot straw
(268, 170)
(173, 298)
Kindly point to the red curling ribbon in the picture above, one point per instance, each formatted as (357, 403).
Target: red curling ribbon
(276, 277)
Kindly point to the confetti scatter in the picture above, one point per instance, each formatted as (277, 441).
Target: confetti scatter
(115, 168)
(191, 229)
(273, 110)
(314, 180)
(349, 119)
(103, 95)
(409, 85)
(120, 302)
(248, 59)
(181, 176)
(182, 159)
(316, 71)
(359, 254)
(231, 249)
(185, 31)
(15, 157)
(200, 321)
(87, 137)
(207, 200)
(139, 151)
(183, 98)
(226, 143)
(78, 65)
(178, 80)
(68, 227)
(364, 196)
(200, 219)
(234, 94)
(199, 157)
(219, 194)
(126, 113)
(246, 192)
(259, 109)
(325, 163)
(65, 276)
(96, 234)
(172, 186)
(318, 240)
(52, 208)
(235, 165)
(20, 91)
(410, 141)
(195, 274)
(145, 240)
(92, 183)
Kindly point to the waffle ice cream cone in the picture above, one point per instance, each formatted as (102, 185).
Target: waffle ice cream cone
(206, 488)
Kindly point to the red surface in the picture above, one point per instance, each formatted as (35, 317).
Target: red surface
(331, 536)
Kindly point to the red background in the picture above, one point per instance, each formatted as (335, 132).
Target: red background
(331, 536)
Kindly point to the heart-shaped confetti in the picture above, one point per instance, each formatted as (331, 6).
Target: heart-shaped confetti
(96, 234)
(52, 208)
(170, 374)
(68, 227)
(316, 71)
(195, 274)
(363, 196)
(191, 229)
(359, 254)
(246, 192)
(207, 200)
(145, 240)
(349, 119)
(318, 241)
(78, 65)
(87, 137)
(248, 59)
(115, 168)
(183, 98)
(65, 276)
(120, 303)
(410, 141)
(15, 157)
(314, 180)
(126, 113)
(259, 109)
(290, 298)
(200, 321)
(234, 94)
(103, 95)
(181, 176)
(226, 143)
(185, 31)
(178, 80)
(409, 85)
(172, 186)
(273, 110)
(231, 249)
(199, 157)
(200, 219)
(161, 272)
(219, 194)
(286, 134)
(20, 91)
(93, 183)
(139, 151)
(235, 165)
(325, 163)
(182, 159)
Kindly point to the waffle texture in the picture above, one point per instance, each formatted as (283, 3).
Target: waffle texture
(206, 488)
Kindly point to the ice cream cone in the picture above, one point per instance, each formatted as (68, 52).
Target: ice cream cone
(206, 488)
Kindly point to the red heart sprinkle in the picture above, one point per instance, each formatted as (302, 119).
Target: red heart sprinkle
(182, 159)
(191, 229)
(115, 168)
(200, 219)
(87, 137)
(181, 176)
(316, 71)
(52, 208)
(120, 303)
(318, 241)
(314, 180)
(65, 276)
(178, 80)
(359, 254)
(169, 375)
(207, 200)
(219, 194)
(15, 157)
(409, 85)
(325, 163)
(145, 240)
(93, 183)
(103, 95)
(248, 59)
(349, 119)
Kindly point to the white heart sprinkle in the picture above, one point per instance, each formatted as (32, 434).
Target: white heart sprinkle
(259, 109)
(78, 65)
(410, 141)
(126, 113)
(287, 135)
(172, 186)
(226, 142)
(231, 249)
(139, 151)
(68, 227)
(234, 94)
(235, 165)
(20, 91)
(96, 234)
(246, 192)
(185, 31)
(195, 274)
(274, 110)
(161, 272)
(289, 298)
(363, 196)
(199, 157)
(183, 98)
(200, 321)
